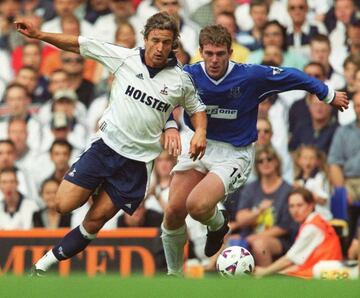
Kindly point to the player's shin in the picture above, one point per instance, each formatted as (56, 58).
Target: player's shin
(173, 243)
(215, 221)
(73, 243)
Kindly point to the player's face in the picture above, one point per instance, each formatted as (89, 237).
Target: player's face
(216, 59)
(298, 208)
(158, 46)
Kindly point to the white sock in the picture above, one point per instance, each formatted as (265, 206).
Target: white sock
(216, 221)
(46, 261)
(86, 234)
(173, 243)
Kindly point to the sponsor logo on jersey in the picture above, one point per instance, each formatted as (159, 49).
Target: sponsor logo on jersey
(276, 70)
(220, 113)
(140, 76)
(146, 99)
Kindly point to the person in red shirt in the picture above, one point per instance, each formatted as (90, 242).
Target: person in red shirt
(316, 240)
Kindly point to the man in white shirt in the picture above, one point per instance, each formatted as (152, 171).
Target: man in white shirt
(147, 86)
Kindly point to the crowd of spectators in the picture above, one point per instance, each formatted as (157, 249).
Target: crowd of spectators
(50, 102)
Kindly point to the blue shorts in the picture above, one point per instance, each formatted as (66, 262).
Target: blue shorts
(124, 180)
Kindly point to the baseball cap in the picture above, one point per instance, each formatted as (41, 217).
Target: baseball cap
(65, 94)
(59, 120)
(355, 19)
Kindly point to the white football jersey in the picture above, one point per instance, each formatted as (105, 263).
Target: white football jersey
(140, 104)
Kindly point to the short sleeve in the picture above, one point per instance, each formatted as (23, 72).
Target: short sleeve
(192, 101)
(110, 55)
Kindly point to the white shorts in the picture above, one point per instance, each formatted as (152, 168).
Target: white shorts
(232, 164)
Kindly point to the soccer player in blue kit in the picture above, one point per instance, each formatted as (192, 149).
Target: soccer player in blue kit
(148, 85)
(232, 93)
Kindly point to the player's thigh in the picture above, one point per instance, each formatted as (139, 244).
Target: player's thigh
(206, 194)
(70, 196)
(99, 213)
(182, 183)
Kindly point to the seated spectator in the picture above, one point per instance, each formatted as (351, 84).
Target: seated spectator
(316, 240)
(262, 215)
(15, 210)
(25, 182)
(275, 34)
(319, 131)
(48, 217)
(17, 103)
(311, 173)
(142, 217)
(96, 9)
(354, 249)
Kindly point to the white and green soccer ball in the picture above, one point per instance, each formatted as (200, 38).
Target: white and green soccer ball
(235, 260)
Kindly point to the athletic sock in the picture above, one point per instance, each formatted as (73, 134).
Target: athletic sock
(173, 243)
(46, 261)
(216, 221)
(73, 242)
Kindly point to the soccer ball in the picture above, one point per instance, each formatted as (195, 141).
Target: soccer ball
(235, 260)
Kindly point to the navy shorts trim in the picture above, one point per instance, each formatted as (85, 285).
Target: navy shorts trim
(124, 180)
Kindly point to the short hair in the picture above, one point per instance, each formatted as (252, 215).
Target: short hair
(162, 21)
(46, 181)
(269, 150)
(13, 119)
(306, 194)
(8, 170)
(216, 35)
(124, 24)
(321, 38)
(61, 143)
(321, 66)
(254, 3)
(16, 85)
(352, 58)
(27, 67)
(283, 32)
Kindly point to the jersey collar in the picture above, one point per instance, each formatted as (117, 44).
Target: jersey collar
(217, 82)
(172, 61)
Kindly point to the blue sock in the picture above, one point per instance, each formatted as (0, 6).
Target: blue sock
(74, 242)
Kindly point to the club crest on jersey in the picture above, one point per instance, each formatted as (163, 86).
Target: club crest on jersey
(235, 92)
(164, 91)
(276, 70)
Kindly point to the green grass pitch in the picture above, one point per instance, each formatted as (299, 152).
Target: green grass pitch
(79, 286)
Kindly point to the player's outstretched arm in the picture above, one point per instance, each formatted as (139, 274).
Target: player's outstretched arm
(62, 41)
(340, 101)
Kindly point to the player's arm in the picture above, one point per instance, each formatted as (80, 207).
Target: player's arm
(198, 141)
(272, 80)
(172, 140)
(62, 41)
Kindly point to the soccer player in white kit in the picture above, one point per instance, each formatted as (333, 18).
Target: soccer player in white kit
(232, 93)
(148, 85)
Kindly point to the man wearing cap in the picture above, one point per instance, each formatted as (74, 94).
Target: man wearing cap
(147, 86)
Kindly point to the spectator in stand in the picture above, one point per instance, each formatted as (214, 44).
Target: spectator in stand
(316, 240)
(239, 54)
(105, 26)
(301, 31)
(60, 153)
(96, 9)
(64, 8)
(354, 249)
(259, 11)
(344, 162)
(48, 217)
(262, 215)
(15, 209)
(9, 10)
(26, 184)
(320, 49)
(319, 131)
(274, 34)
(35, 84)
(311, 173)
(18, 134)
(17, 103)
(41, 8)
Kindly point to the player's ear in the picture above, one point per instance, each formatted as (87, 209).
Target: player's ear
(231, 51)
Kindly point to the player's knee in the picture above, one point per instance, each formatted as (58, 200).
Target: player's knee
(62, 207)
(94, 225)
(173, 218)
(257, 245)
(197, 210)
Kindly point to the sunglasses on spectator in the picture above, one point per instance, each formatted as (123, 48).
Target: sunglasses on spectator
(266, 159)
(77, 60)
(266, 130)
(299, 7)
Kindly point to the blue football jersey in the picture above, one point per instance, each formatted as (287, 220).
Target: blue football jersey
(232, 101)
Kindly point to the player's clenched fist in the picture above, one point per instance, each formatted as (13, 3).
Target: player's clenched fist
(198, 145)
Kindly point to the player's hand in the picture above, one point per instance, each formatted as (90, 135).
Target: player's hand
(198, 145)
(172, 142)
(340, 101)
(26, 28)
(259, 271)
